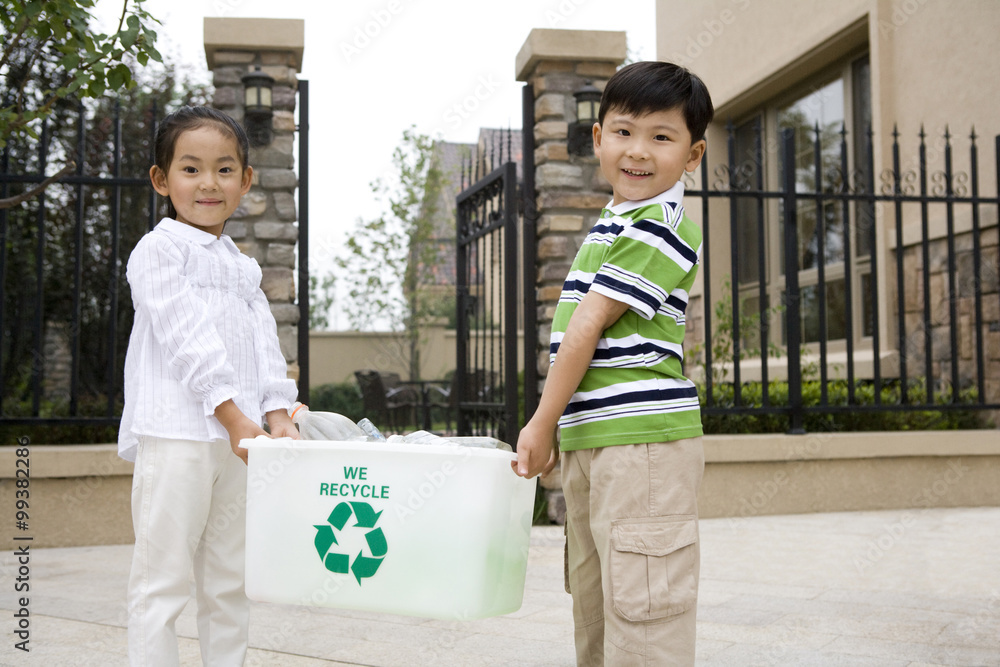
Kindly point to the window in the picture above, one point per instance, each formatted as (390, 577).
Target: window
(830, 117)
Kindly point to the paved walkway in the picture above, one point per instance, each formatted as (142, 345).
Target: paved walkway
(893, 588)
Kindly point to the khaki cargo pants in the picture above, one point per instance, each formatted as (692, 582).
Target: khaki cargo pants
(633, 551)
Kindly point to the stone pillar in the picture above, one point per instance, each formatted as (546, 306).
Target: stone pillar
(570, 190)
(264, 226)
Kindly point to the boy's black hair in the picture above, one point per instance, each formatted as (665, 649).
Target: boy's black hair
(649, 86)
(190, 118)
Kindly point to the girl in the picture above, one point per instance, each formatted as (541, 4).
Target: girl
(203, 366)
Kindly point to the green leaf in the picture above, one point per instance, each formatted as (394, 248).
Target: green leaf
(70, 62)
(96, 88)
(117, 77)
(128, 37)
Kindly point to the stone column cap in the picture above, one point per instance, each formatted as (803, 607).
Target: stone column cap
(254, 35)
(569, 45)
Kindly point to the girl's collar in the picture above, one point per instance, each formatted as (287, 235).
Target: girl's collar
(195, 235)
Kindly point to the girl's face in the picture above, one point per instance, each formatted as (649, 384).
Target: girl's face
(205, 180)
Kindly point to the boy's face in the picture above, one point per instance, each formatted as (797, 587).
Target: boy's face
(643, 156)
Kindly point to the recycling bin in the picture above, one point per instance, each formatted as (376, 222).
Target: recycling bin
(431, 530)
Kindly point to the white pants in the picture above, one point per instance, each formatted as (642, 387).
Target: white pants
(188, 512)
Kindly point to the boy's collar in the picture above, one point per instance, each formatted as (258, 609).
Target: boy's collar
(194, 234)
(674, 195)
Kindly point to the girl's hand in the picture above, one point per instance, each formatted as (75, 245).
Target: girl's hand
(281, 425)
(247, 430)
(239, 427)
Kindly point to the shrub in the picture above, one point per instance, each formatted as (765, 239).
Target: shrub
(343, 398)
(60, 433)
(888, 418)
(753, 417)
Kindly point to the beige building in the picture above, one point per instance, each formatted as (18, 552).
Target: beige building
(906, 66)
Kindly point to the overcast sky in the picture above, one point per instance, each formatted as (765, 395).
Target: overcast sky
(446, 66)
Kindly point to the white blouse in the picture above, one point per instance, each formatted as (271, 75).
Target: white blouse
(203, 333)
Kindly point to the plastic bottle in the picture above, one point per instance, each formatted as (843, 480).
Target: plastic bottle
(425, 438)
(324, 425)
(482, 441)
(370, 431)
(419, 438)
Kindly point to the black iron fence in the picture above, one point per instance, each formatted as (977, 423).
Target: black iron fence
(65, 305)
(65, 311)
(843, 293)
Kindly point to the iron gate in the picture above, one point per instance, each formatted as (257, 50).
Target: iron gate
(494, 300)
(486, 370)
(486, 265)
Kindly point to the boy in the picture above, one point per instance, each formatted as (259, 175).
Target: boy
(630, 422)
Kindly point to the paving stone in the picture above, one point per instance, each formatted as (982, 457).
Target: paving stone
(777, 590)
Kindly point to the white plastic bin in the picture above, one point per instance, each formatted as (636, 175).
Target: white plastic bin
(438, 531)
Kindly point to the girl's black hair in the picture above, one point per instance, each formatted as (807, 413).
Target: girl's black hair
(190, 118)
(649, 86)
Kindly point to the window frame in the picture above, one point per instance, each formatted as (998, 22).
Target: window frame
(847, 69)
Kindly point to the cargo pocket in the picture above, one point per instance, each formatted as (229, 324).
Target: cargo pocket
(653, 564)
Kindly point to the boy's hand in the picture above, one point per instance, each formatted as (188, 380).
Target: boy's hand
(281, 425)
(537, 452)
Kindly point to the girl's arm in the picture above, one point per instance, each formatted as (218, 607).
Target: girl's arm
(196, 355)
(536, 446)
(278, 393)
(238, 425)
(281, 425)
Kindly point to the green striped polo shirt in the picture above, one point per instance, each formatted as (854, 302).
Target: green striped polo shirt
(644, 254)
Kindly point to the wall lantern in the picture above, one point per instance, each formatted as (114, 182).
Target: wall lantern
(258, 107)
(588, 104)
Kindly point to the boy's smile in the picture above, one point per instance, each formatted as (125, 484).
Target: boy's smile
(642, 156)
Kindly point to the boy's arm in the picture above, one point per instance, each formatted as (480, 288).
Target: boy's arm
(536, 446)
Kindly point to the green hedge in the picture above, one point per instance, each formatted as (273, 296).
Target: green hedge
(59, 434)
(341, 397)
(751, 393)
(846, 420)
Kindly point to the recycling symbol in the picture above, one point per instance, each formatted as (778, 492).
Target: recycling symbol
(326, 536)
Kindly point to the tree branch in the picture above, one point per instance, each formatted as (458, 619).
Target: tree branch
(11, 202)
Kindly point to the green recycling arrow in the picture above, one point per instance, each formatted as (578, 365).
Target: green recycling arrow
(337, 563)
(365, 514)
(376, 542)
(339, 516)
(324, 539)
(362, 566)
